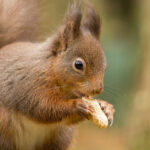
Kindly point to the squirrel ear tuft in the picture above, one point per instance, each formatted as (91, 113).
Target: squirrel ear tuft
(71, 28)
(92, 20)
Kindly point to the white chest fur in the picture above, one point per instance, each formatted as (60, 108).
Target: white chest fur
(31, 134)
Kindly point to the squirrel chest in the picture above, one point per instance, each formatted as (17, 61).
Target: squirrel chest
(31, 134)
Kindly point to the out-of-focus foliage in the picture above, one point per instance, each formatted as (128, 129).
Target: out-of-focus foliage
(125, 38)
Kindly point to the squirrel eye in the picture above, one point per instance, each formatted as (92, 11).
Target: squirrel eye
(79, 65)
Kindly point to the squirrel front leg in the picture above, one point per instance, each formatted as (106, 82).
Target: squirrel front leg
(56, 110)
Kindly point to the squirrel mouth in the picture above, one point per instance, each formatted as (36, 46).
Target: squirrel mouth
(79, 94)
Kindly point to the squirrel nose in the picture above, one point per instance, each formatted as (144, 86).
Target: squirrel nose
(98, 89)
(97, 84)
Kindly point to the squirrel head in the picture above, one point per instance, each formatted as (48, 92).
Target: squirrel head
(78, 60)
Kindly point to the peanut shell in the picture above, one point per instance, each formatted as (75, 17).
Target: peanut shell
(98, 117)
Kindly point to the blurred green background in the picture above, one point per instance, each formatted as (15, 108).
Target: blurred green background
(125, 37)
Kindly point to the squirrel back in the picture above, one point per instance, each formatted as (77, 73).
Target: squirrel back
(18, 21)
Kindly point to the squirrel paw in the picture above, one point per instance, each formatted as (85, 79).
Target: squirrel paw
(108, 110)
(83, 109)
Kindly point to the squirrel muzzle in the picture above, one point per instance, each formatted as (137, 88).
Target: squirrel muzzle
(97, 85)
(92, 87)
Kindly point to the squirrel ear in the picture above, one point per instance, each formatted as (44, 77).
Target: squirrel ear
(71, 29)
(92, 20)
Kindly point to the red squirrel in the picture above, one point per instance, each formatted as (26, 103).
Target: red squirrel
(42, 83)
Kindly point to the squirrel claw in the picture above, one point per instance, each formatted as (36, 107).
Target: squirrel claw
(108, 110)
(111, 122)
(83, 109)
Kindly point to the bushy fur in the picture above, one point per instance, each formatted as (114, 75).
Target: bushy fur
(18, 20)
